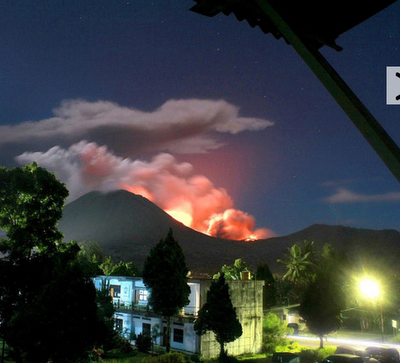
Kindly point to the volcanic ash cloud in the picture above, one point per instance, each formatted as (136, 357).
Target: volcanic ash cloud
(189, 198)
(178, 127)
(85, 132)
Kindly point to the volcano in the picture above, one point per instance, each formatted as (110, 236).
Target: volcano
(126, 226)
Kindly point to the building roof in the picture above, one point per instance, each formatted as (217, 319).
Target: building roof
(320, 22)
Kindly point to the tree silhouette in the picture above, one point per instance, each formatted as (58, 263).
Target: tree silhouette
(300, 262)
(219, 316)
(263, 272)
(165, 273)
(324, 299)
(47, 305)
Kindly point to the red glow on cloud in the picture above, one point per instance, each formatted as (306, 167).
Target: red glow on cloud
(138, 190)
(235, 224)
(189, 198)
(189, 126)
(202, 214)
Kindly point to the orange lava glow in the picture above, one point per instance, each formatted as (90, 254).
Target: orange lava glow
(228, 224)
(181, 216)
(251, 238)
(138, 190)
(190, 198)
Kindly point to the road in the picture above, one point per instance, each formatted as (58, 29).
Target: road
(313, 342)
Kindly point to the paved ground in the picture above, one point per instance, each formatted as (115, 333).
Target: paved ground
(345, 338)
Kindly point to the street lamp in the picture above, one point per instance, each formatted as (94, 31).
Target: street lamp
(370, 289)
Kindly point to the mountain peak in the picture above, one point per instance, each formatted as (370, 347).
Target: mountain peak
(127, 226)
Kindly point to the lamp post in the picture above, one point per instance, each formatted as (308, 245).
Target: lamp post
(370, 289)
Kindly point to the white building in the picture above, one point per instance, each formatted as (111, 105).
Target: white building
(133, 316)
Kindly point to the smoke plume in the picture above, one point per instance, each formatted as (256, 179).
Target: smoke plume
(116, 137)
(178, 126)
(189, 198)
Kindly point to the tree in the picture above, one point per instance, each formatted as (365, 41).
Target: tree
(287, 292)
(233, 272)
(300, 262)
(31, 203)
(269, 294)
(47, 306)
(324, 300)
(274, 330)
(61, 322)
(90, 257)
(109, 268)
(105, 312)
(219, 316)
(165, 273)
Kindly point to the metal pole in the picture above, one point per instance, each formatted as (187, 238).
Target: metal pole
(382, 322)
(365, 122)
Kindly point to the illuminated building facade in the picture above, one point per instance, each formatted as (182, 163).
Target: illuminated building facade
(133, 316)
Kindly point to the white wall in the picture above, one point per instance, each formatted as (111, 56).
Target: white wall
(126, 323)
(191, 341)
(194, 305)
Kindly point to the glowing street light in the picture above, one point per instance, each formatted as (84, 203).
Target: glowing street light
(370, 289)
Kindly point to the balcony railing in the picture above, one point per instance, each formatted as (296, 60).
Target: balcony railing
(125, 307)
(128, 308)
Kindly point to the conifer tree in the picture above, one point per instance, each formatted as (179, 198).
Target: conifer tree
(219, 316)
(165, 273)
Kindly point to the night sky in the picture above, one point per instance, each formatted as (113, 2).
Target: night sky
(204, 116)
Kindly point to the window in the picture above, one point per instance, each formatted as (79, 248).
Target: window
(178, 335)
(142, 295)
(115, 291)
(146, 329)
(119, 324)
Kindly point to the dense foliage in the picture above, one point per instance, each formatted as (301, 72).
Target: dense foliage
(324, 299)
(218, 315)
(47, 305)
(263, 272)
(174, 357)
(143, 343)
(234, 271)
(300, 261)
(274, 330)
(165, 273)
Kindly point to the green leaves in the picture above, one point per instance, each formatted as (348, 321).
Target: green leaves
(218, 314)
(165, 273)
(233, 272)
(31, 202)
(47, 306)
(300, 262)
(322, 304)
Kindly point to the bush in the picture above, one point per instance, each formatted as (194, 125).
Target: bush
(143, 342)
(273, 331)
(225, 358)
(289, 346)
(315, 355)
(166, 358)
(96, 355)
(125, 346)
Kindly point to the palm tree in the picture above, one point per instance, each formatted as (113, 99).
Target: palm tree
(300, 262)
